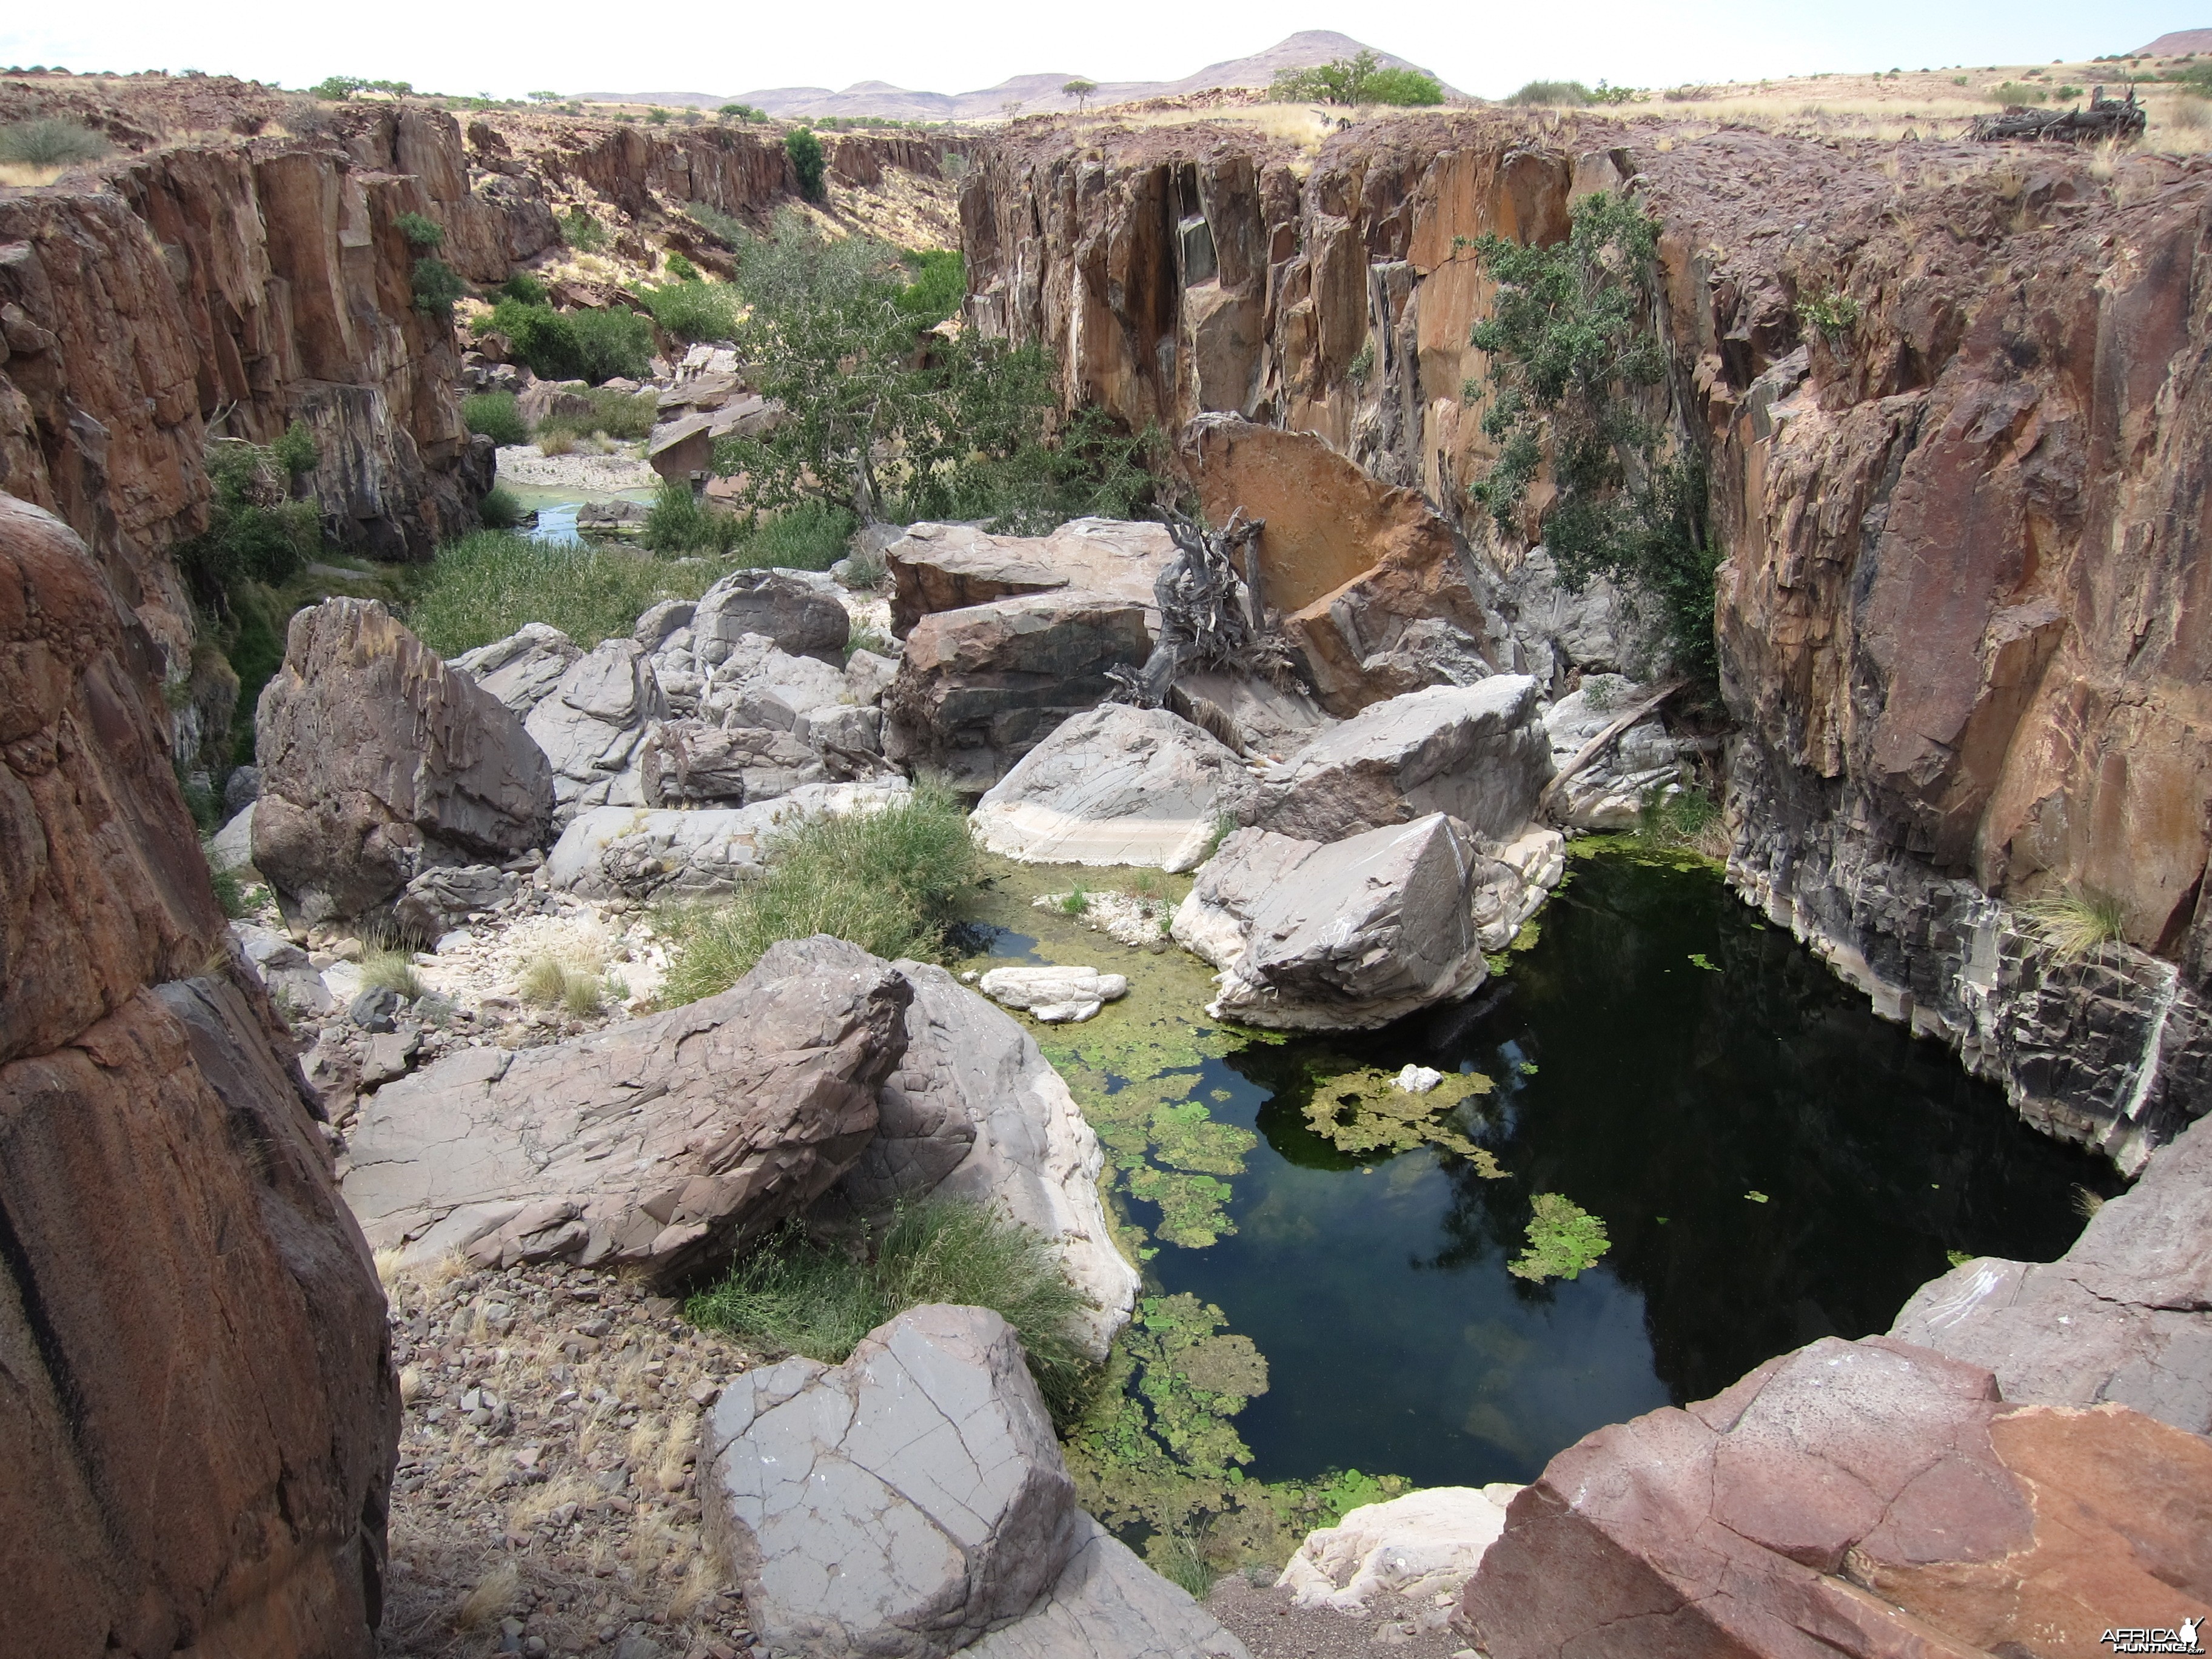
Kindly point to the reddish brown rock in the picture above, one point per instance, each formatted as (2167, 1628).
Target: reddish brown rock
(1351, 563)
(1865, 1499)
(197, 1411)
(377, 761)
(980, 687)
(942, 566)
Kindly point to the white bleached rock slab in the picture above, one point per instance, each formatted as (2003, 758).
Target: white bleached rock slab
(1054, 995)
(1423, 1544)
(1115, 786)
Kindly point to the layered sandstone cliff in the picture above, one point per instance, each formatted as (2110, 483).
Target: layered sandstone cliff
(1962, 632)
(198, 1407)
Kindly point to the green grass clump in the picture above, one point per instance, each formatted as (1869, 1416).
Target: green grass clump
(498, 416)
(629, 416)
(1687, 821)
(387, 967)
(50, 143)
(682, 522)
(695, 310)
(2078, 923)
(799, 1296)
(501, 508)
(884, 880)
(487, 584)
(810, 535)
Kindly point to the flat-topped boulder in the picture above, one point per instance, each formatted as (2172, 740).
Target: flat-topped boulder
(979, 688)
(1118, 785)
(377, 761)
(945, 567)
(662, 1144)
(1345, 936)
(799, 611)
(1478, 753)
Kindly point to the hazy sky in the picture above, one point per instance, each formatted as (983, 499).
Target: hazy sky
(507, 50)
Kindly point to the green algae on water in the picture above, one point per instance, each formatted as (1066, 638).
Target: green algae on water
(1564, 1238)
(1361, 1108)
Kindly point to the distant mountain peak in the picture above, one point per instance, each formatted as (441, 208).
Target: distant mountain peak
(1036, 94)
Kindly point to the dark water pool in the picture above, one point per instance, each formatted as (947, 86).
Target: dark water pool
(1772, 1163)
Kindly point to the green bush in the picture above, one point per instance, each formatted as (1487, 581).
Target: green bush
(887, 881)
(583, 232)
(339, 87)
(575, 345)
(2013, 92)
(802, 1297)
(526, 288)
(628, 416)
(501, 508)
(419, 232)
(496, 416)
(811, 535)
(742, 112)
(693, 311)
(50, 143)
(1572, 346)
(296, 450)
(939, 285)
(804, 151)
(1572, 94)
(487, 584)
(972, 427)
(437, 285)
(680, 269)
(680, 522)
(256, 532)
(1361, 79)
(729, 232)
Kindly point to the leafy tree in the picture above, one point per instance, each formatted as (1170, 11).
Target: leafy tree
(256, 531)
(1571, 346)
(742, 112)
(963, 431)
(1361, 79)
(574, 345)
(544, 97)
(1079, 90)
(804, 151)
(437, 285)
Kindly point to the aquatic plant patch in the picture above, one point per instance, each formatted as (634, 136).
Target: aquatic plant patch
(1564, 1239)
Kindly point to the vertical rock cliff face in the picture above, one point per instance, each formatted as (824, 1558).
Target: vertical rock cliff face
(1963, 617)
(197, 1409)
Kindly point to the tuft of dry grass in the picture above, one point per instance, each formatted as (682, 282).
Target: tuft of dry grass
(492, 1600)
(2078, 923)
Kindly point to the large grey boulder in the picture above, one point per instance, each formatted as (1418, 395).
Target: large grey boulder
(1117, 785)
(689, 762)
(284, 968)
(377, 761)
(627, 852)
(899, 1505)
(2124, 1317)
(438, 900)
(975, 1112)
(945, 567)
(1110, 1605)
(1478, 752)
(661, 1144)
(522, 668)
(231, 847)
(799, 611)
(1339, 936)
(590, 725)
(1259, 719)
(979, 688)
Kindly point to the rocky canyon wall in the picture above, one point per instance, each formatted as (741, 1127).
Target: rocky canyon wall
(1962, 616)
(198, 1407)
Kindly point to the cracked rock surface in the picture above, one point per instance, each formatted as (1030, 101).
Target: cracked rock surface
(899, 1505)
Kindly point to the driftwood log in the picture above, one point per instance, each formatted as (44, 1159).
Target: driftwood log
(1604, 740)
(1213, 614)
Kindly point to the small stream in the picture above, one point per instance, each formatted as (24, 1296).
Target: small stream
(1773, 1164)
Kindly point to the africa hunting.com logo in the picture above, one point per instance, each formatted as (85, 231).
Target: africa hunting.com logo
(2180, 1640)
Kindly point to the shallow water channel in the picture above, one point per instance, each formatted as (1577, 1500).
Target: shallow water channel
(1770, 1162)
